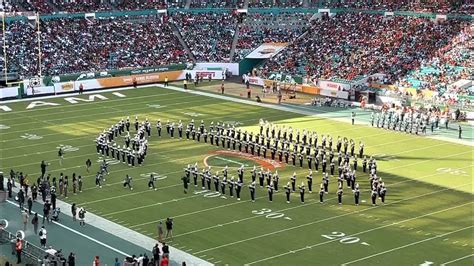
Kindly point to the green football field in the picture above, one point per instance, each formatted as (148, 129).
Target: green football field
(427, 218)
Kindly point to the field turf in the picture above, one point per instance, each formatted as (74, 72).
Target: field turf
(427, 217)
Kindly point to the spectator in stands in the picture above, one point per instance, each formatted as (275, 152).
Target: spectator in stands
(208, 35)
(366, 44)
(83, 48)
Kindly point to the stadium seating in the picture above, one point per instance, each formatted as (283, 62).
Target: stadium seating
(78, 45)
(365, 44)
(208, 35)
(452, 63)
(275, 3)
(263, 28)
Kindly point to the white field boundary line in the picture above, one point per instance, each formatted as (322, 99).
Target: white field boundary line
(393, 168)
(458, 259)
(256, 216)
(229, 99)
(273, 117)
(80, 234)
(371, 230)
(407, 245)
(79, 156)
(367, 120)
(115, 110)
(324, 220)
(131, 236)
(284, 108)
(78, 95)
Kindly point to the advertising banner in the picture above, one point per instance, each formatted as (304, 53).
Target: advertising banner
(267, 50)
(331, 85)
(112, 82)
(336, 94)
(30, 91)
(8, 92)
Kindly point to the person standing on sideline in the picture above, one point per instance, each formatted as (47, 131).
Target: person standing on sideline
(166, 81)
(42, 236)
(460, 132)
(35, 222)
(164, 261)
(160, 232)
(88, 165)
(71, 259)
(82, 217)
(25, 217)
(81, 88)
(156, 254)
(169, 228)
(60, 156)
(30, 204)
(96, 261)
(353, 115)
(43, 168)
(222, 88)
(74, 211)
(18, 249)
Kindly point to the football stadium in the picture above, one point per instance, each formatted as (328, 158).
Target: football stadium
(236, 132)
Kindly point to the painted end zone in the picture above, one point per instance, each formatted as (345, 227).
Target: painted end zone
(236, 159)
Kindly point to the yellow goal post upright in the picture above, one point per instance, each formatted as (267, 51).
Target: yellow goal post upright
(34, 80)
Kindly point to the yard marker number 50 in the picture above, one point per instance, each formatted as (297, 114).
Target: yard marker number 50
(344, 239)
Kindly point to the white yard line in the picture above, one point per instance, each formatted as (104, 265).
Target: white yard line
(257, 216)
(279, 107)
(94, 114)
(392, 168)
(323, 220)
(408, 245)
(458, 259)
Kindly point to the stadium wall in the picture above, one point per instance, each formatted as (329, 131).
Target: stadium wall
(115, 82)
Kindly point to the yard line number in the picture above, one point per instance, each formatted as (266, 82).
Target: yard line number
(29, 136)
(269, 214)
(343, 239)
(452, 171)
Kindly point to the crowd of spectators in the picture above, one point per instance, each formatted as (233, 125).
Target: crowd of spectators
(439, 6)
(216, 3)
(347, 46)
(451, 63)
(275, 3)
(80, 45)
(208, 35)
(72, 6)
(50, 6)
(81, 5)
(259, 28)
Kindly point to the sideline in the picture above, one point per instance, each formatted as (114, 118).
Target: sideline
(127, 234)
(297, 110)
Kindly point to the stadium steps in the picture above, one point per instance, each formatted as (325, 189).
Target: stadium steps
(178, 35)
(188, 4)
(235, 40)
